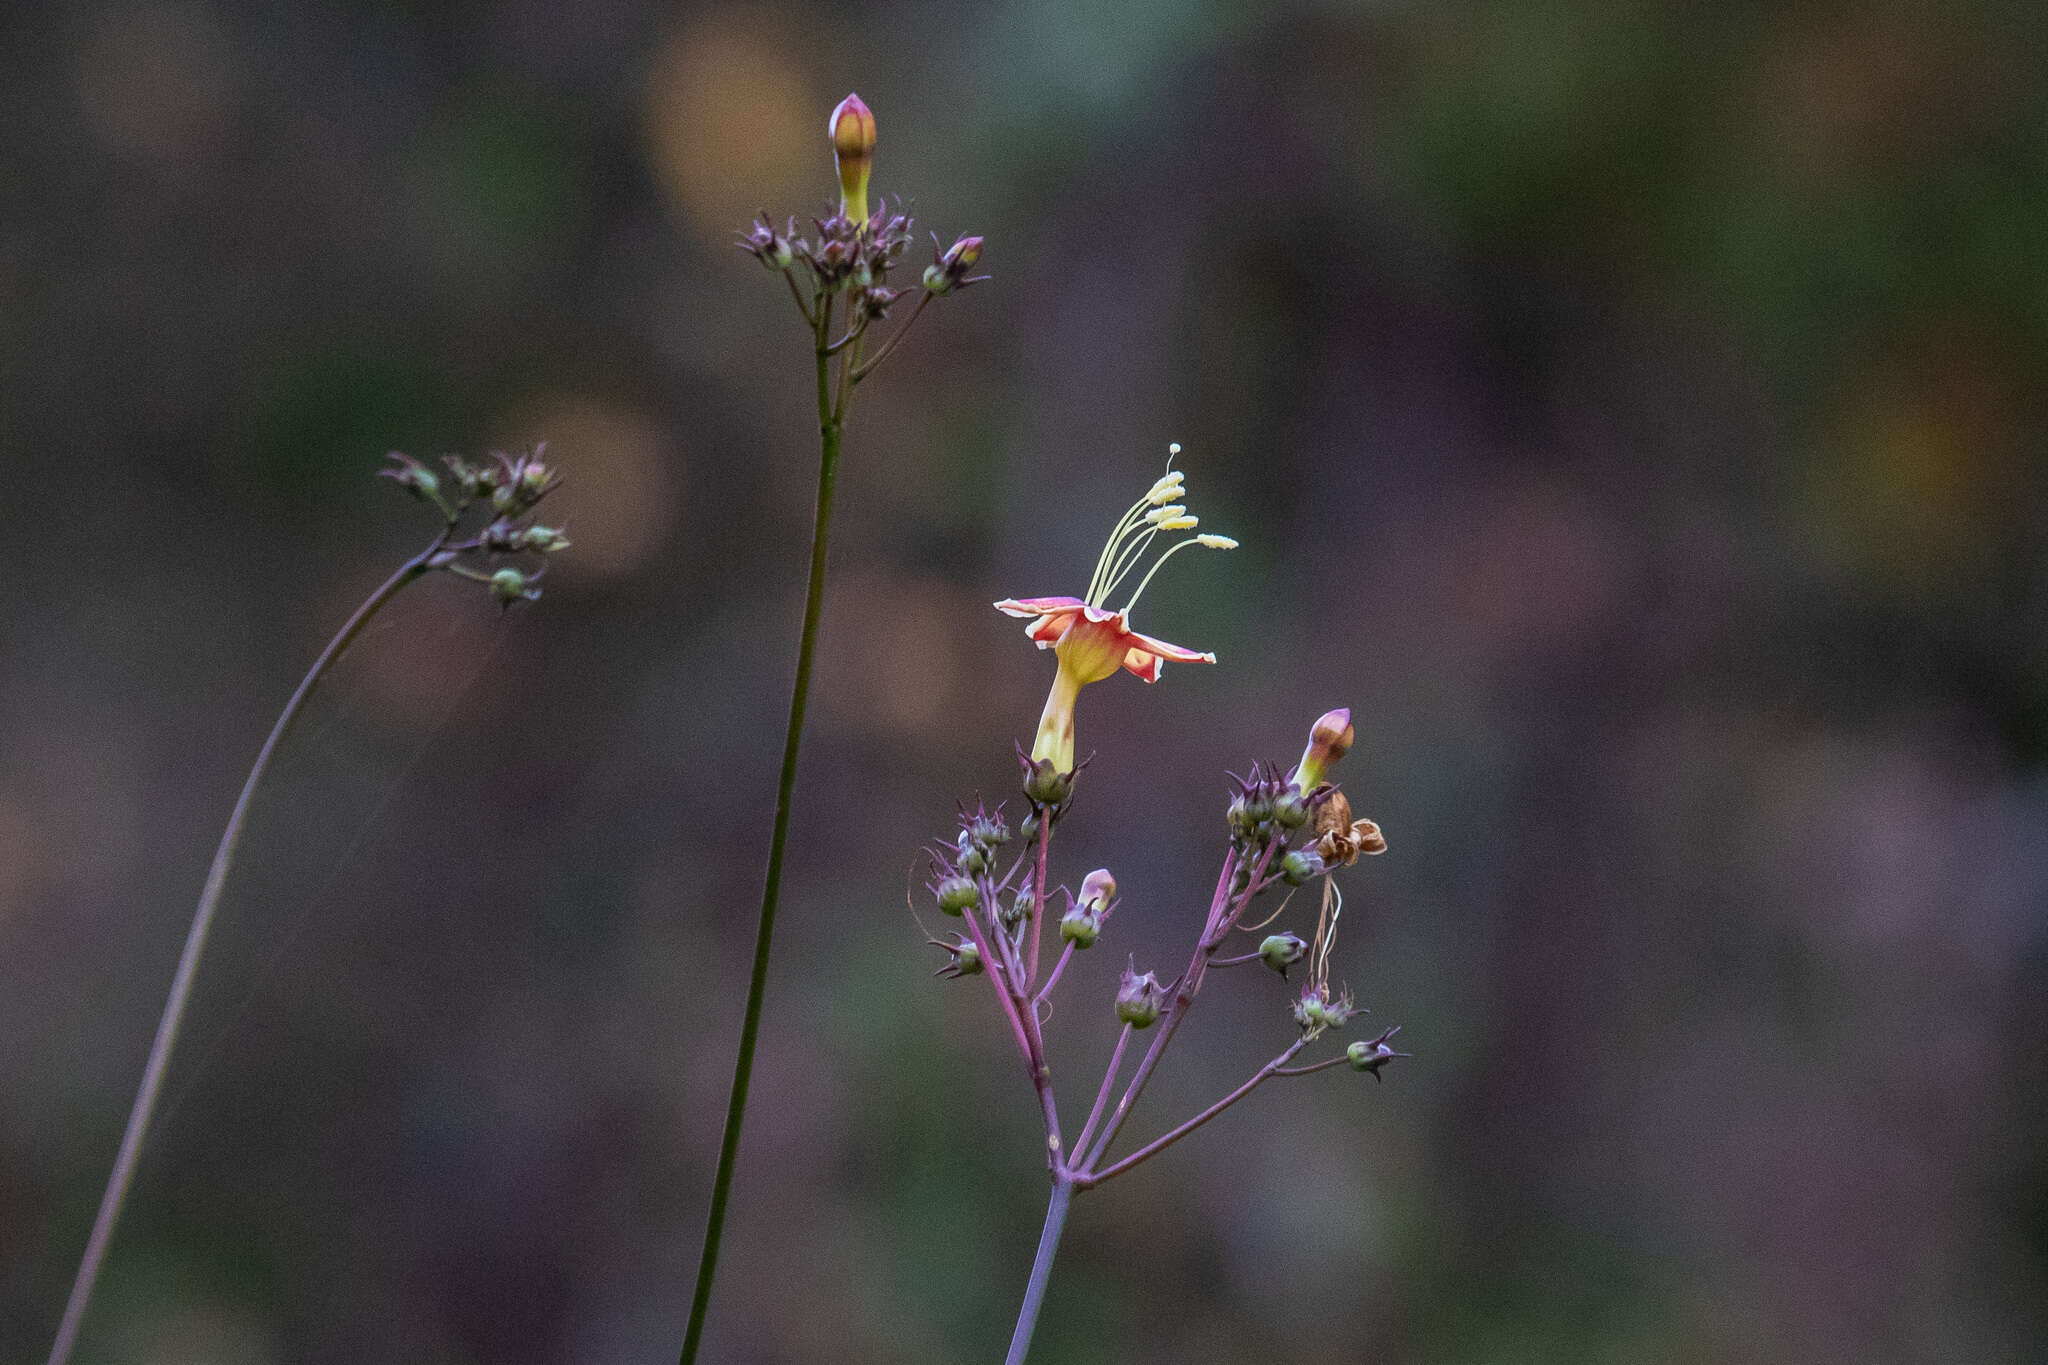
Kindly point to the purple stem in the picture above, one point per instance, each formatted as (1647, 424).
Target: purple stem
(1160, 1144)
(1222, 914)
(1054, 979)
(1116, 1061)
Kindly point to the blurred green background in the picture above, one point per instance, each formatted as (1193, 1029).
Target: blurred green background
(1631, 409)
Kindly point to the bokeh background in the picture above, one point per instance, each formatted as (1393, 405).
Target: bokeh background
(1631, 409)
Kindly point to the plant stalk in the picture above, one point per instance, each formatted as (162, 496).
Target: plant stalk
(153, 1072)
(1041, 1268)
(831, 423)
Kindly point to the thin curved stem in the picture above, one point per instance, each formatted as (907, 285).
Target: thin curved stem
(1041, 1270)
(861, 372)
(153, 1072)
(831, 422)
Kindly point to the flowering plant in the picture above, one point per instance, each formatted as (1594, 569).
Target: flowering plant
(1288, 828)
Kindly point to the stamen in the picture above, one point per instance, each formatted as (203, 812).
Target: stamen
(1180, 523)
(1103, 560)
(1128, 561)
(1147, 579)
(1159, 514)
(1209, 542)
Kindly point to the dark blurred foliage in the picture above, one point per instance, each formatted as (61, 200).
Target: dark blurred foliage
(1632, 410)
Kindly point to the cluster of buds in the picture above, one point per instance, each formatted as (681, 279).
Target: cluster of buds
(851, 251)
(1317, 1009)
(506, 490)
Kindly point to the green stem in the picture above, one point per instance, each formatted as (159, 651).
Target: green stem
(195, 944)
(1041, 1268)
(831, 420)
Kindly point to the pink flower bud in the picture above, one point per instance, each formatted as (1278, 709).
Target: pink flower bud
(852, 130)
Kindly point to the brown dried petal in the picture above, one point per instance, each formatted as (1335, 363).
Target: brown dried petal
(1333, 815)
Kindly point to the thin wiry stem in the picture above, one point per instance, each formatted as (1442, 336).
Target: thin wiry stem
(831, 422)
(1116, 1062)
(1045, 991)
(1160, 1144)
(861, 372)
(159, 1062)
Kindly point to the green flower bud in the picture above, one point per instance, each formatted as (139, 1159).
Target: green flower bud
(1019, 908)
(1047, 785)
(962, 957)
(1138, 997)
(972, 860)
(509, 585)
(1081, 926)
(1301, 866)
(956, 894)
(1282, 951)
(1290, 810)
(1372, 1054)
(1240, 817)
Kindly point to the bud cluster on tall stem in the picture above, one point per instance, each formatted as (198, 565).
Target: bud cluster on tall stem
(507, 490)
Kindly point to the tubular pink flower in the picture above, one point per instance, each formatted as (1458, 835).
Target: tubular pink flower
(1092, 641)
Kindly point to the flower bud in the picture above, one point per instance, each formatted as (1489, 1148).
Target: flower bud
(1316, 1011)
(1081, 926)
(956, 894)
(1239, 817)
(1097, 888)
(1373, 1053)
(414, 477)
(1282, 951)
(948, 270)
(510, 585)
(1019, 908)
(852, 130)
(1138, 998)
(1328, 741)
(963, 958)
(1046, 784)
(1301, 866)
(546, 539)
(971, 859)
(1028, 827)
(1289, 810)
(769, 247)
